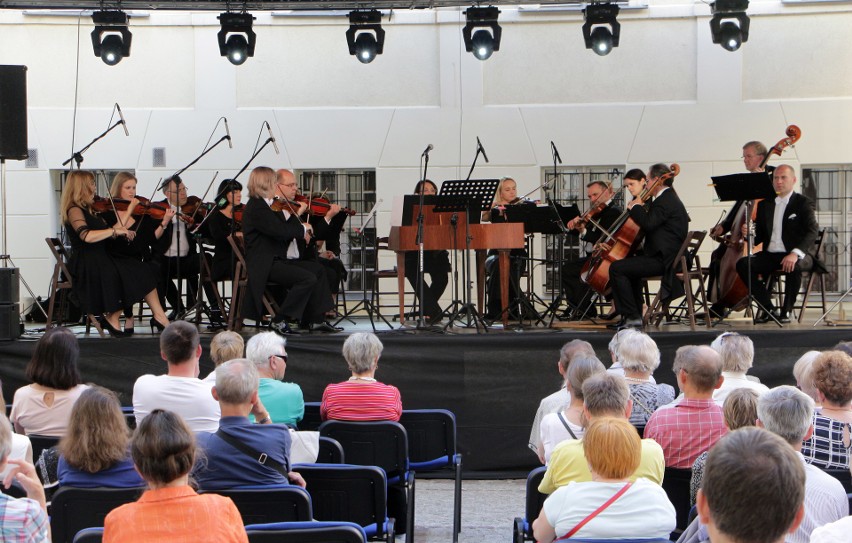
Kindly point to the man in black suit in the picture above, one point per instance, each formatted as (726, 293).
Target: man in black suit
(665, 224)
(577, 293)
(274, 241)
(787, 227)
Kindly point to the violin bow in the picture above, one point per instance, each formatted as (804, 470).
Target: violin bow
(151, 199)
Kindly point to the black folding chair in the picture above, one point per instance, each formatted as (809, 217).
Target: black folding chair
(306, 532)
(273, 503)
(522, 527)
(73, 509)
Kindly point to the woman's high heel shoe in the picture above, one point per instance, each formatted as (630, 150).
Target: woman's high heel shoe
(113, 331)
(155, 324)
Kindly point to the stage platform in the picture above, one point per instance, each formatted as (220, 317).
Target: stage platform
(492, 382)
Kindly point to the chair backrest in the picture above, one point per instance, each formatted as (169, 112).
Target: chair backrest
(312, 418)
(380, 443)
(41, 443)
(344, 492)
(60, 256)
(431, 437)
(89, 535)
(306, 532)
(842, 475)
(330, 451)
(258, 505)
(535, 499)
(73, 509)
(688, 258)
(237, 245)
(676, 484)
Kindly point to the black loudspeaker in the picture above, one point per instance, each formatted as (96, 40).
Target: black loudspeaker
(13, 112)
(10, 322)
(10, 285)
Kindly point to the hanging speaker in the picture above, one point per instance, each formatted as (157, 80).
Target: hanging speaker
(13, 112)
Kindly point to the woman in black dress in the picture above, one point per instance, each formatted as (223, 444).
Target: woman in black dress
(221, 224)
(435, 263)
(104, 285)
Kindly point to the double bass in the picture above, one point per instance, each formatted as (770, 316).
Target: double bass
(621, 241)
(730, 291)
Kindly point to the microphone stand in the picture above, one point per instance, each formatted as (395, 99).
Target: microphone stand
(421, 320)
(78, 155)
(188, 166)
(475, 157)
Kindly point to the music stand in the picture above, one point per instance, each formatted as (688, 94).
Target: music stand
(746, 187)
(473, 196)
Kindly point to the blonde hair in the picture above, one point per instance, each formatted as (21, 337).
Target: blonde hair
(118, 181)
(78, 192)
(612, 447)
(97, 435)
(226, 345)
(261, 182)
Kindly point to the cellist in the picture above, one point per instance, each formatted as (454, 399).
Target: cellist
(664, 223)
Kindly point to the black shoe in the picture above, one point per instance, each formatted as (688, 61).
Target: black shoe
(617, 325)
(155, 325)
(632, 323)
(609, 316)
(325, 327)
(283, 329)
(773, 315)
(114, 332)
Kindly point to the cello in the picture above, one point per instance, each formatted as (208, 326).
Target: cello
(622, 240)
(730, 291)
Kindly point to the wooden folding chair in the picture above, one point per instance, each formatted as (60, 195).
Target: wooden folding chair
(61, 284)
(235, 319)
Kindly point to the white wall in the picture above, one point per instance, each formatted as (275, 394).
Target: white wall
(667, 94)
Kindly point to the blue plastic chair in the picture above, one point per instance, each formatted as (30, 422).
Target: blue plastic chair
(306, 532)
(89, 535)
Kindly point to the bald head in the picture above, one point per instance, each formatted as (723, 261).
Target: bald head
(284, 175)
(699, 370)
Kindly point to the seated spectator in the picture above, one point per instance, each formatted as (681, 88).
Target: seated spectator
(560, 398)
(22, 449)
(739, 410)
(829, 445)
(737, 353)
(224, 346)
(639, 357)
(231, 453)
(747, 468)
(284, 401)
(23, 519)
(163, 450)
(604, 395)
(180, 390)
(804, 375)
(845, 346)
(44, 407)
(831, 533)
(586, 510)
(568, 423)
(361, 398)
(692, 424)
(615, 350)
(95, 451)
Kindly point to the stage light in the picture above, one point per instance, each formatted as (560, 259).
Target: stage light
(365, 36)
(111, 38)
(236, 38)
(482, 33)
(729, 25)
(601, 31)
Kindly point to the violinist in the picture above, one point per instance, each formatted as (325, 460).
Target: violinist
(274, 241)
(578, 293)
(325, 248)
(221, 224)
(507, 194)
(664, 222)
(788, 228)
(103, 284)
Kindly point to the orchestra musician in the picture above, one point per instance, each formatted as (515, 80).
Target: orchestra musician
(787, 227)
(578, 293)
(274, 243)
(103, 284)
(507, 195)
(325, 247)
(435, 263)
(222, 223)
(664, 222)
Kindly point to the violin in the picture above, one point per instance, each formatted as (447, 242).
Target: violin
(319, 206)
(144, 207)
(237, 213)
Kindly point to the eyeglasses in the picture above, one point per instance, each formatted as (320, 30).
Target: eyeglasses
(281, 356)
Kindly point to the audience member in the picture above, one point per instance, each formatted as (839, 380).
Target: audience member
(232, 451)
(560, 398)
(614, 350)
(692, 424)
(739, 410)
(754, 488)
(829, 445)
(95, 451)
(284, 401)
(604, 395)
(737, 353)
(23, 519)
(639, 357)
(163, 451)
(845, 346)
(224, 346)
(44, 407)
(833, 532)
(586, 509)
(361, 398)
(568, 423)
(804, 375)
(180, 390)
(21, 449)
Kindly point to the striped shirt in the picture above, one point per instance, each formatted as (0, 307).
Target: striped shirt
(22, 521)
(686, 429)
(361, 401)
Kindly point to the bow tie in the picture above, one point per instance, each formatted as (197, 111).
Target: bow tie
(779, 200)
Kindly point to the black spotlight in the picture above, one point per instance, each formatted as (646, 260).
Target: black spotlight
(365, 36)
(601, 31)
(236, 39)
(729, 25)
(111, 37)
(482, 33)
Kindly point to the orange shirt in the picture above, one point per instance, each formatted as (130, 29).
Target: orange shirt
(175, 515)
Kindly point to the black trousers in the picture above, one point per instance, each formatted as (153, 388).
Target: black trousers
(517, 265)
(763, 264)
(436, 265)
(308, 295)
(625, 277)
(577, 293)
(187, 268)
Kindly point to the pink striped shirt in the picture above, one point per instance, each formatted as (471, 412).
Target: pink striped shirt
(685, 429)
(361, 401)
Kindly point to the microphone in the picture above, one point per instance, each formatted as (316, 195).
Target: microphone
(428, 148)
(228, 131)
(123, 124)
(481, 148)
(556, 152)
(269, 128)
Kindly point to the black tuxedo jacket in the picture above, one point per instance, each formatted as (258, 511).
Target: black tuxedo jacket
(162, 245)
(267, 235)
(799, 228)
(605, 218)
(665, 223)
